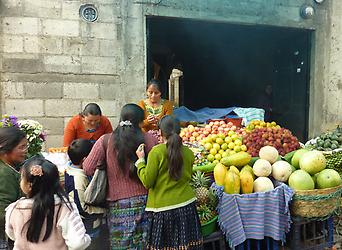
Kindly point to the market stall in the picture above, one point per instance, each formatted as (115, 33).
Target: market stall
(266, 179)
(254, 181)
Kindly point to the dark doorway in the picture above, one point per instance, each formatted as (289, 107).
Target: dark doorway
(227, 65)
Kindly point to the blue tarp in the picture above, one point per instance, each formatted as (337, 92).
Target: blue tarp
(204, 114)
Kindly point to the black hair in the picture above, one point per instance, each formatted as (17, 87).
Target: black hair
(170, 128)
(10, 137)
(127, 138)
(79, 149)
(44, 188)
(91, 109)
(156, 83)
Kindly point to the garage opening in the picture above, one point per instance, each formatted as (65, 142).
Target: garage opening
(231, 65)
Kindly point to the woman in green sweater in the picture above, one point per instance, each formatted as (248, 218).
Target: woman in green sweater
(13, 150)
(171, 200)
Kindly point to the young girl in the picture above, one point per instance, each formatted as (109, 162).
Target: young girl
(174, 220)
(45, 219)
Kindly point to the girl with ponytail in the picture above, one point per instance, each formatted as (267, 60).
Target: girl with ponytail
(126, 196)
(45, 219)
(171, 200)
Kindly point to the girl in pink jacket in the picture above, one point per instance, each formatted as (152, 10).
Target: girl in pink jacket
(45, 219)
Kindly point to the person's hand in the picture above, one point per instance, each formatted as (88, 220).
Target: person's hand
(151, 119)
(141, 151)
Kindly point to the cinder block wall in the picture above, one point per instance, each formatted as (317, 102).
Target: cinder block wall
(53, 63)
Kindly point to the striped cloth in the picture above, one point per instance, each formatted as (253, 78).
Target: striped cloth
(254, 216)
(250, 114)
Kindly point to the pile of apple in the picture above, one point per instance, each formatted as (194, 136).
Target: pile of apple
(193, 133)
(220, 145)
(280, 138)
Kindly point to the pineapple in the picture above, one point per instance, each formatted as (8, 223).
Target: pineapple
(200, 184)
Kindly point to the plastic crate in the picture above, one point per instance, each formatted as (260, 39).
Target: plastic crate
(311, 234)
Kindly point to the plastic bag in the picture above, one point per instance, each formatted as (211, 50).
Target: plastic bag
(96, 192)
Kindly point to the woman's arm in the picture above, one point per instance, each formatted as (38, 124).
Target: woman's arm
(69, 133)
(96, 155)
(8, 226)
(148, 172)
(73, 231)
(146, 124)
(168, 108)
(108, 126)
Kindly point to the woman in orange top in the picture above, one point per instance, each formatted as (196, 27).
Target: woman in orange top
(154, 106)
(88, 125)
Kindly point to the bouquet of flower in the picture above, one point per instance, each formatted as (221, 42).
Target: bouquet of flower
(33, 130)
(34, 134)
(9, 121)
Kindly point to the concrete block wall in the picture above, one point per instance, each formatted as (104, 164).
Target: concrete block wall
(53, 63)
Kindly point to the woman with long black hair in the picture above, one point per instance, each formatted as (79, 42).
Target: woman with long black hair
(171, 200)
(126, 195)
(13, 151)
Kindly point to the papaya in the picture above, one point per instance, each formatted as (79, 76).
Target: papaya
(246, 181)
(249, 169)
(231, 183)
(233, 168)
(238, 160)
(219, 174)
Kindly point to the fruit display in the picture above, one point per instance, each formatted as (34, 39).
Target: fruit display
(280, 138)
(258, 176)
(207, 199)
(313, 172)
(255, 124)
(199, 153)
(196, 133)
(220, 146)
(327, 141)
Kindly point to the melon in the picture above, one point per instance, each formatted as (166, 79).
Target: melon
(269, 153)
(296, 157)
(281, 170)
(301, 180)
(262, 168)
(262, 184)
(328, 178)
(312, 162)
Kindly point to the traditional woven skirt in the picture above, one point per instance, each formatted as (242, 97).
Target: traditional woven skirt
(128, 223)
(175, 229)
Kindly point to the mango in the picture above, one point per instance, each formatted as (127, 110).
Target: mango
(219, 174)
(232, 183)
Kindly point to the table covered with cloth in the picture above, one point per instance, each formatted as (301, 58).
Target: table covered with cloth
(256, 215)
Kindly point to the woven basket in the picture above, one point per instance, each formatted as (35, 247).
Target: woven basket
(317, 203)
